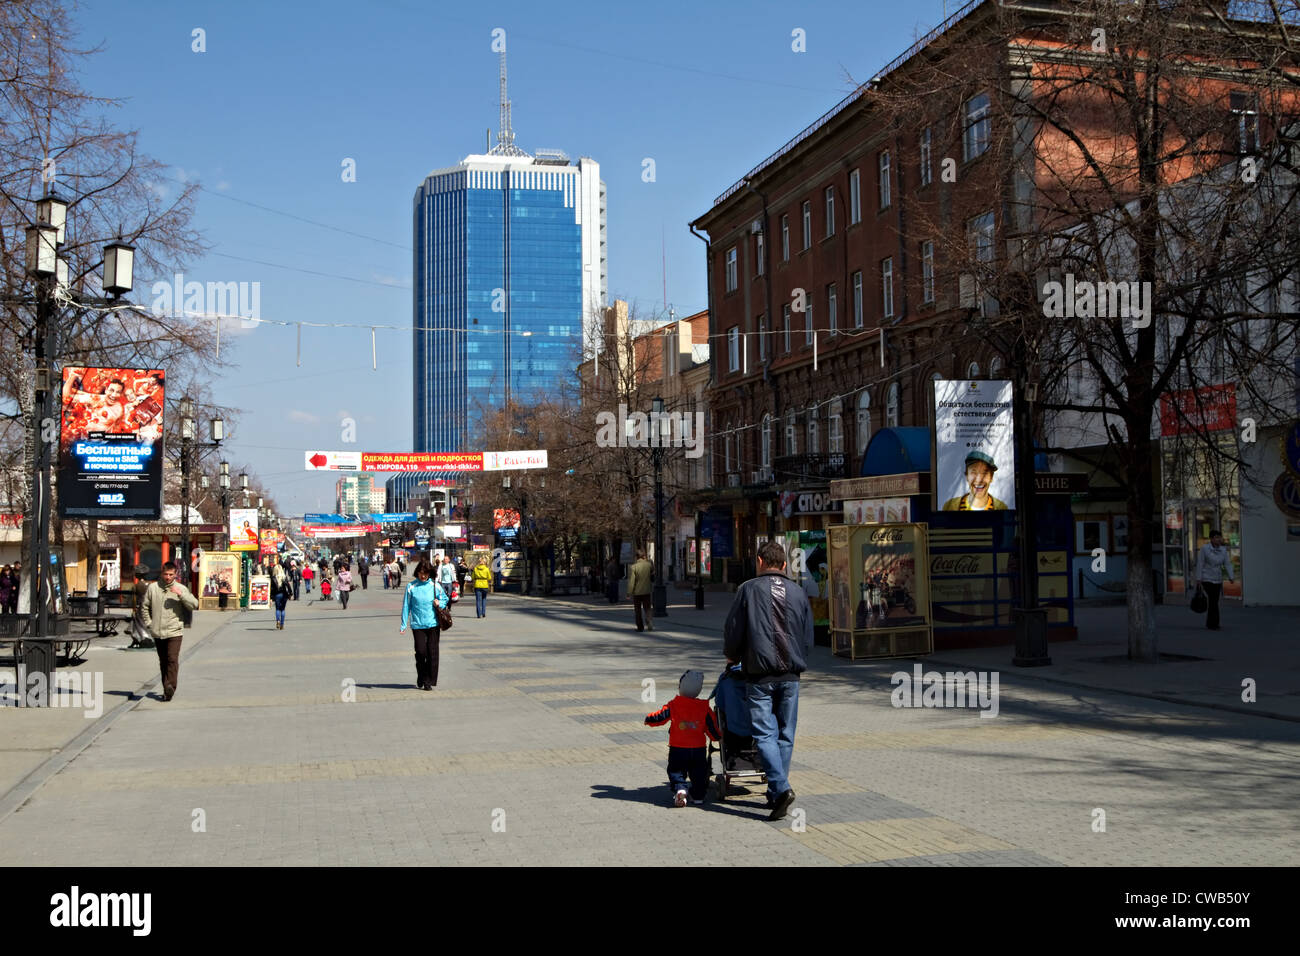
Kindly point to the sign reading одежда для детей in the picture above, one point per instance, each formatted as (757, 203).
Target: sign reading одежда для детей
(423, 461)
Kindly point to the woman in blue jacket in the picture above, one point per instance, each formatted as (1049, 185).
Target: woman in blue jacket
(422, 595)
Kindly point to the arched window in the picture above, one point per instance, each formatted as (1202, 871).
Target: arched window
(766, 449)
(814, 438)
(995, 366)
(973, 370)
(892, 402)
(791, 434)
(864, 421)
(835, 429)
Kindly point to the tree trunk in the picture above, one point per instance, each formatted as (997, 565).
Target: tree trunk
(1141, 506)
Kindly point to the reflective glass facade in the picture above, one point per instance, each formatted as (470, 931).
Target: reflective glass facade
(499, 281)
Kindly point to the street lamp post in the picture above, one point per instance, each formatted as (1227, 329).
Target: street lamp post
(50, 272)
(699, 561)
(659, 599)
(189, 434)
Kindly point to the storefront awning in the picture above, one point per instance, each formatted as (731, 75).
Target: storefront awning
(897, 451)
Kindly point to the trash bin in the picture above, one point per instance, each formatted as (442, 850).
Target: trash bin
(1031, 637)
(39, 655)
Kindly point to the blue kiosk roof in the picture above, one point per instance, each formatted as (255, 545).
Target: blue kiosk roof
(897, 451)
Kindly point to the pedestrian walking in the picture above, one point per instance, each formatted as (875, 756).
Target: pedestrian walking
(140, 612)
(166, 601)
(611, 580)
(308, 573)
(482, 583)
(639, 580)
(280, 594)
(363, 569)
(423, 595)
(7, 587)
(296, 573)
(690, 720)
(1212, 562)
(769, 632)
(446, 574)
(345, 586)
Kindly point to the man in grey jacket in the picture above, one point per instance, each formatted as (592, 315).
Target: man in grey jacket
(163, 603)
(769, 631)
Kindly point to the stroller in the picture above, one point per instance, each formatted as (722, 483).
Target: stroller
(735, 750)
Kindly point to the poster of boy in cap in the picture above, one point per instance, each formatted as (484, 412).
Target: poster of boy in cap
(974, 446)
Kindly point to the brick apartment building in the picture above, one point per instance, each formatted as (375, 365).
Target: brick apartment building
(847, 271)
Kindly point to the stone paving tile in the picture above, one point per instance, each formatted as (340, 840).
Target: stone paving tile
(976, 858)
(260, 739)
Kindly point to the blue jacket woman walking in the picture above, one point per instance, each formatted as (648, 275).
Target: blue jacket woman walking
(422, 595)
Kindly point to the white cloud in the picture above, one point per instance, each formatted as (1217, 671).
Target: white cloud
(296, 415)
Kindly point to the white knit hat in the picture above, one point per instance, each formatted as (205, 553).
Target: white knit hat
(691, 684)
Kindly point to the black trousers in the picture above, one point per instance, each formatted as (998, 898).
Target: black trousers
(690, 762)
(426, 655)
(343, 596)
(642, 603)
(365, 578)
(1212, 593)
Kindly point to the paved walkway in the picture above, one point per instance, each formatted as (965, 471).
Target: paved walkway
(310, 746)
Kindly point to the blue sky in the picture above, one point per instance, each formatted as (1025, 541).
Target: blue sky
(285, 92)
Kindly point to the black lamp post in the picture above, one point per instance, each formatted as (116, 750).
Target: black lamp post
(50, 272)
(659, 598)
(189, 434)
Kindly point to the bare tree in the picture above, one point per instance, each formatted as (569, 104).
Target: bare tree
(1141, 154)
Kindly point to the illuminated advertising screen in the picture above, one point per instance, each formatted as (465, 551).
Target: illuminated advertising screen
(111, 443)
(974, 446)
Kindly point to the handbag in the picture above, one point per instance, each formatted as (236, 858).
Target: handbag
(454, 596)
(444, 617)
(1200, 603)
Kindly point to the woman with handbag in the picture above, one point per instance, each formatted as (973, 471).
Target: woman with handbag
(281, 592)
(423, 601)
(1212, 562)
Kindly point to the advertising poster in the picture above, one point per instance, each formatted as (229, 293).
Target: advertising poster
(878, 511)
(259, 591)
(111, 443)
(243, 529)
(974, 447)
(270, 540)
(890, 593)
(219, 575)
(807, 563)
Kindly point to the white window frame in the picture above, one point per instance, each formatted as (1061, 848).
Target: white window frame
(863, 421)
(977, 126)
(785, 314)
(732, 270)
(927, 272)
(808, 322)
(832, 308)
(830, 211)
(995, 366)
(973, 370)
(727, 452)
(883, 164)
(758, 254)
(733, 349)
(791, 434)
(927, 173)
(813, 429)
(857, 299)
(785, 237)
(807, 224)
(765, 443)
(893, 405)
(835, 429)
(855, 197)
(887, 287)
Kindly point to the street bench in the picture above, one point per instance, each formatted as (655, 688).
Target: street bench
(568, 584)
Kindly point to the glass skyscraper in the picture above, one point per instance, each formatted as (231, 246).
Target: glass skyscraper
(509, 268)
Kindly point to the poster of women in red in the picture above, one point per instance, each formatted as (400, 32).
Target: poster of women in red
(111, 443)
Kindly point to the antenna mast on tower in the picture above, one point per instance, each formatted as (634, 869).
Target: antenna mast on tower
(505, 133)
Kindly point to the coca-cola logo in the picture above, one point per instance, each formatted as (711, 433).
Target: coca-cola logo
(884, 535)
(954, 564)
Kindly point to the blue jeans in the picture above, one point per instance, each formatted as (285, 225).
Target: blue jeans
(774, 710)
(385, 580)
(480, 602)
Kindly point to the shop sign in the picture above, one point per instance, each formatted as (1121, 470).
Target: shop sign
(808, 503)
(1193, 410)
(881, 486)
(956, 565)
